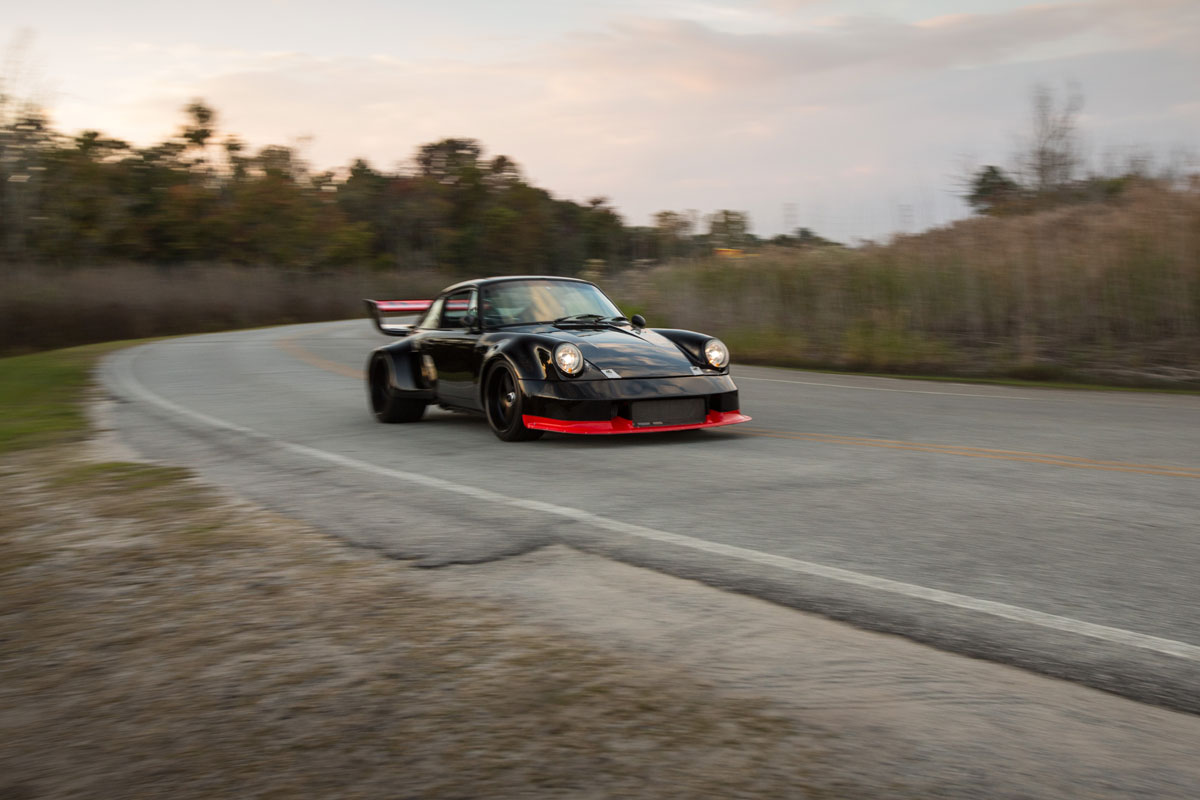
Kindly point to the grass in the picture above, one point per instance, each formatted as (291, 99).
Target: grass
(41, 396)
(119, 476)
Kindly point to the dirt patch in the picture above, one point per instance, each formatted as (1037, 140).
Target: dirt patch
(161, 639)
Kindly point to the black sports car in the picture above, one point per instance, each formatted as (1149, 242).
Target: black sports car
(536, 354)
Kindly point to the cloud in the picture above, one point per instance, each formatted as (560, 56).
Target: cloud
(674, 113)
(688, 56)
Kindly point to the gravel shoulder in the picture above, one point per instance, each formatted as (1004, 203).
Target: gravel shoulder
(164, 639)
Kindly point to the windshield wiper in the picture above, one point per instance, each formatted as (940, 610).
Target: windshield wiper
(579, 318)
(570, 319)
(593, 319)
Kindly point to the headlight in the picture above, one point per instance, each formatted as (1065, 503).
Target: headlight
(716, 353)
(569, 359)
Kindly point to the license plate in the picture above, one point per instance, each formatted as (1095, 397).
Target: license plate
(653, 413)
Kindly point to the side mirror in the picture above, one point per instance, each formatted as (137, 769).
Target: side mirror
(638, 321)
(470, 321)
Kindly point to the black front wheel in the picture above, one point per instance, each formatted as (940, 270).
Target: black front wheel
(504, 404)
(386, 403)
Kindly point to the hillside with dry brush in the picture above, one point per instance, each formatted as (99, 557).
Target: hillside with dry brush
(1104, 291)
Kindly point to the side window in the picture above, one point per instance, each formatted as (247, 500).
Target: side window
(457, 306)
(432, 316)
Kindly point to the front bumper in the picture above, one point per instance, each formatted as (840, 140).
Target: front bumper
(603, 406)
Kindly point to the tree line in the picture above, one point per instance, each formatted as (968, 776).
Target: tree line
(203, 197)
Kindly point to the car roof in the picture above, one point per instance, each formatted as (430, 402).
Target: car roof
(479, 282)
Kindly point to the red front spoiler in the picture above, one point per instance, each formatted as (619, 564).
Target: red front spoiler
(715, 419)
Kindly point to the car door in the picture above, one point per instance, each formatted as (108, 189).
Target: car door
(452, 348)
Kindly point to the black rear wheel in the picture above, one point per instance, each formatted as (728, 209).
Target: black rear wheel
(386, 403)
(504, 403)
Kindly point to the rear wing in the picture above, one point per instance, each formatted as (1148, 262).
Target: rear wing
(378, 309)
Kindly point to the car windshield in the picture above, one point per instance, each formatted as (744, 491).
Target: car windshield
(522, 302)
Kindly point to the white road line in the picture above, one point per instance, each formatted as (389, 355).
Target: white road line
(882, 389)
(1170, 647)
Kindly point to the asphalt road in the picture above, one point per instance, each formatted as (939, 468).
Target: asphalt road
(1054, 530)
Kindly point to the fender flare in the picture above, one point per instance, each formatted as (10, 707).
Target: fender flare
(689, 342)
(529, 360)
(404, 370)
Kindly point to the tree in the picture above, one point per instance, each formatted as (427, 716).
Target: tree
(233, 154)
(502, 173)
(993, 191)
(803, 237)
(25, 140)
(728, 228)
(603, 230)
(446, 160)
(281, 162)
(806, 237)
(200, 130)
(674, 231)
(1051, 154)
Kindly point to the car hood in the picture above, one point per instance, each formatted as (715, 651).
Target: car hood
(630, 353)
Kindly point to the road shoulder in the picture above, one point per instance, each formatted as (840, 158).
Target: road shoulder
(162, 637)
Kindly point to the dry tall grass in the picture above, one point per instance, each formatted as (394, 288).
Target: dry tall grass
(1108, 292)
(43, 309)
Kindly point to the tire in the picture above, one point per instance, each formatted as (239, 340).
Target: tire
(503, 403)
(386, 403)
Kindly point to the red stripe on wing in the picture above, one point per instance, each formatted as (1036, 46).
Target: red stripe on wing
(402, 306)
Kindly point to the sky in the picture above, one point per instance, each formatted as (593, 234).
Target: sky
(855, 119)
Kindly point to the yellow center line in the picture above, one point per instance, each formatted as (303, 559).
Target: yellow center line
(293, 349)
(290, 347)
